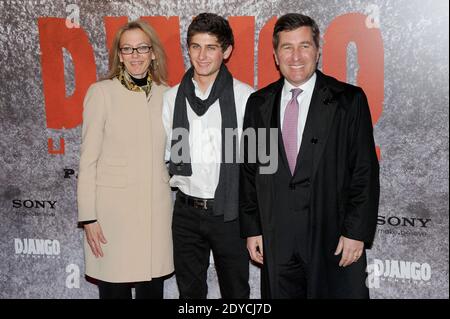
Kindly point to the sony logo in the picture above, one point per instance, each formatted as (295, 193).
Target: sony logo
(403, 221)
(28, 203)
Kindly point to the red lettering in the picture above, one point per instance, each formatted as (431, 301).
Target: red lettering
(64, 111)
(112, 25)
(168, 30)
(51, 147)
(352, 28)
(267, 70)
(242, 61)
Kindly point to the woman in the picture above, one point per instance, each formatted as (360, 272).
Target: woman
(124, 200)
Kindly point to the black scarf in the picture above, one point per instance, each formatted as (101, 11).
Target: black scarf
(226, 196)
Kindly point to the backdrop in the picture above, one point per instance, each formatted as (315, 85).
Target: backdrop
(51, 51)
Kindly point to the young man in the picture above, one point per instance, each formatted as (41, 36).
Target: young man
(308, 223)
(206, 103)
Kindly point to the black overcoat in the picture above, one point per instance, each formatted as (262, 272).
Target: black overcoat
(336, 182)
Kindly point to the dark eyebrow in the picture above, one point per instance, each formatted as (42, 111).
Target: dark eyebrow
(208, 45)
(291, 44)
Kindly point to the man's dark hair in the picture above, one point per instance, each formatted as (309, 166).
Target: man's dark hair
(292, 21)
(212, 24)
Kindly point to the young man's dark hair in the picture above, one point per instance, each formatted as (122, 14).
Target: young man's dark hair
(292, 21)
(212, 24)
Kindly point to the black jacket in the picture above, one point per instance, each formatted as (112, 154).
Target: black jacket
(336, 181)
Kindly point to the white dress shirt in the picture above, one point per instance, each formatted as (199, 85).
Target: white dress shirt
(304, 99)
(205, 141)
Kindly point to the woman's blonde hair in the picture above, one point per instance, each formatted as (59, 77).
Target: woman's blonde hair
(157, 68)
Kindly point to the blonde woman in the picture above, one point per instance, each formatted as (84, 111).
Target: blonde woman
(124, 200)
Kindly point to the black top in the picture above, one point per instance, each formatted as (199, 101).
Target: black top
(139, 82)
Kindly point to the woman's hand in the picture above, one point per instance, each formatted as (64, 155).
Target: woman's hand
(95, 238)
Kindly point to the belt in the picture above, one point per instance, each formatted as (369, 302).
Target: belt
(199, 203)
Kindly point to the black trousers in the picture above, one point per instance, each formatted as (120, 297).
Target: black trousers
(291, 264)
(195, 232)
(143, 290)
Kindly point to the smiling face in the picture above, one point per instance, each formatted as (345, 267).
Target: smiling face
(206, 56)
(297, 55)
(136, 64)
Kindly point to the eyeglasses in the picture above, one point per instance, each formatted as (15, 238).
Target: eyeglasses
(141, 50)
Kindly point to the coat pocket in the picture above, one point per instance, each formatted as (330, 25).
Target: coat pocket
(119, 181)
(112, 172)
(116, 161)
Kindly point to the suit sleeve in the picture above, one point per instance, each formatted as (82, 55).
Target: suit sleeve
(363, 193)
(249, 218)
(94, 118)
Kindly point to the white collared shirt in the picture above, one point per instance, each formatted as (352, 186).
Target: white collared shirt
(205, 141)
(304, 100)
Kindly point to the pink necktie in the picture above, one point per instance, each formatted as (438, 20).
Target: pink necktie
(289, 131)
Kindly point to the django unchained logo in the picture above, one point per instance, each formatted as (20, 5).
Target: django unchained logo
(248, 62)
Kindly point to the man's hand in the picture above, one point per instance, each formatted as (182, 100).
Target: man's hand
(351, 250)
(94, 236)
(255, 248)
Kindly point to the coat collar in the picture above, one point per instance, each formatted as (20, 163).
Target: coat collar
(321, 112)
(322, 109)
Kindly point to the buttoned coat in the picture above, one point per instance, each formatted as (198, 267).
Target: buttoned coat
(335, 184)
(123, 183)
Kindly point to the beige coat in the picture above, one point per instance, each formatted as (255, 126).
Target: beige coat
(123, 183)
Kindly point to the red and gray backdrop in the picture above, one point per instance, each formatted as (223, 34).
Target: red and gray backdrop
(51, 51)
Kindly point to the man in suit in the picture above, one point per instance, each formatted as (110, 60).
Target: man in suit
(310, 221)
